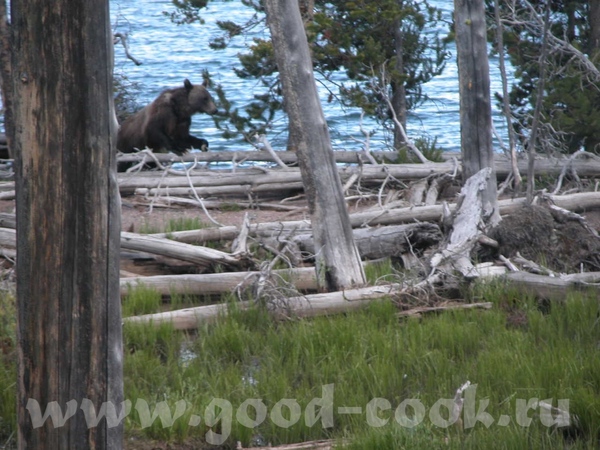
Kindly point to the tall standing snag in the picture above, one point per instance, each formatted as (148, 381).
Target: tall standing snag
(338, 261)
(68, 222)
(475, 103)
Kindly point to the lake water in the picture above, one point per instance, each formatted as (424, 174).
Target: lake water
(171, 53)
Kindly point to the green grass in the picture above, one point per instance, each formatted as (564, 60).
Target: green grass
(371, 354)
(173, 225)
(140, 300)
(8, 369)
(550, 353)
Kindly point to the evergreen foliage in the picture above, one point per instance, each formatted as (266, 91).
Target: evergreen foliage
(571, 104)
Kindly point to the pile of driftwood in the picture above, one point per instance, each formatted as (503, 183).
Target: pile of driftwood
(414, 217)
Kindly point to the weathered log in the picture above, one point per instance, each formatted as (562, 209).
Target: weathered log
(544, 165)
(8, 238)
(8, 220)
(349, 157)
(553, 288)
(306, 306)
(207, 191)
(247, 181)
(303, 279)
(574, 202)
(419, 311)
(382, 242)
(177, 250)
(309, 445)
(582, 202)
(471, 213)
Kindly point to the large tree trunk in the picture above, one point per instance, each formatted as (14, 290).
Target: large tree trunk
(475, 103)
(68, 223)
(338, 261)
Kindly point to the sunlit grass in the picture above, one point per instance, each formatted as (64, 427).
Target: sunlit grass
(372, 354)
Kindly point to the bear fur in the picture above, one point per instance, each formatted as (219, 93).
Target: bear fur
(164, 124)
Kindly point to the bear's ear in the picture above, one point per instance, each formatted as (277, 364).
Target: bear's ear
(205, 83)
(187, 84)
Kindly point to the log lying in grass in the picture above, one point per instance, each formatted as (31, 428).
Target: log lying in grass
(303, 279)
(419, 311)
(306, 306)
(553, 288)
(328, 444)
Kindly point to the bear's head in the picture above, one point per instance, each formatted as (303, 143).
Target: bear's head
(199, 99)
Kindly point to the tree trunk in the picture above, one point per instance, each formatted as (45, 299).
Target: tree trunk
(594, 21)
(5, 77)
(398, 91)
(475, 103)
(338, 261)
(68, 223)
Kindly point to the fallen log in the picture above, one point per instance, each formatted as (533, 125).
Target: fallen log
(216, 191)
(465, 230)
(303, 279)
(582, 202)
(177, 250)
(387, 241)
(419, 311)
(8, 238)
(553, 288)
(544, 165)
(328, 444)
(306, 306)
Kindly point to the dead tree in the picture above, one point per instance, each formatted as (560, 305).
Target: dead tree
(475, 103)
(338, 261)
(68, 223)
(5, 83)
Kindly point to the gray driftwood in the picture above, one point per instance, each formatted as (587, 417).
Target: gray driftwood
(387, 241)
(304, 306)
(177, 250)
(382, 216)
(303, 279)
(544, 166)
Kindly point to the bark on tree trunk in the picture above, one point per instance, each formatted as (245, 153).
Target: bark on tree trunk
(594, 21)
(5, 78)
(68, 223)
(338, 261)
(398, 91)
(475, 103)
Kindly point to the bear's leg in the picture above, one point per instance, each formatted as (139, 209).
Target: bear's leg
(198, 143)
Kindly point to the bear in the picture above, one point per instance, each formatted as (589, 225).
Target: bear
(164, 124)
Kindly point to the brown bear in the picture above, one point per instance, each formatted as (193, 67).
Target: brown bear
(164, 124)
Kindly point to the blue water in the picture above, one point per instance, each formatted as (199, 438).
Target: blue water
(171, 53)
